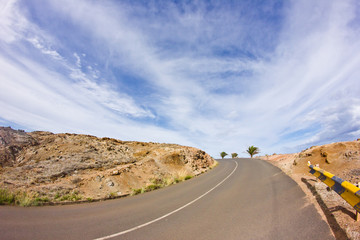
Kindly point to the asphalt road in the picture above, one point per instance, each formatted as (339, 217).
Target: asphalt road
(239, 199)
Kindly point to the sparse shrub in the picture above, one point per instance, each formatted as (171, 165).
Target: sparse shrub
(214, 165)
(137, 191)
(64, 198)
(6, 197)
(71, 197)
(23, 199)
(161, 182)
(157, 181)
(57, 195)
(42, 199)
(168, 181)
(152, 187)
(112, 195)
(188, 177)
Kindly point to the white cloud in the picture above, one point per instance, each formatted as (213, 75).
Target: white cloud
(287, 82)
(47, 51)
(12, 22)
(109, 98)
(58, 106)
(78, 60)
(100, 95)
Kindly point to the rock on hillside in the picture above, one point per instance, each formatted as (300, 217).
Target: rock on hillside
(341, 159)
(11, 143)
(60, 167)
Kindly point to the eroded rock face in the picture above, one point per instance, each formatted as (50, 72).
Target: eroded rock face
(11, 143)
(55, 165)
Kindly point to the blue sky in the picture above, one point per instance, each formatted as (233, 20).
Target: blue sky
(216, 75)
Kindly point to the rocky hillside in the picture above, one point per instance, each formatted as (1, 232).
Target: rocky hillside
(67, 167)
(341, 159)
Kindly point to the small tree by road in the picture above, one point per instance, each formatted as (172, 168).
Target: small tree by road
(253, 151)
(223, 154)
(234, 155)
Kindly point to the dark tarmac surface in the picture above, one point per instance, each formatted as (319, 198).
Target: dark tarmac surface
(257, 201)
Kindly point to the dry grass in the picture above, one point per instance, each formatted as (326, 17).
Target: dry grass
(21, 198)
(216, 163)
(180, 176)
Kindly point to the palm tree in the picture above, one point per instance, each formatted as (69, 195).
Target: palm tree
(223, 154)
(234, 155)
(253, 151)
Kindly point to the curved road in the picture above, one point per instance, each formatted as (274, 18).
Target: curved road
(239, 199)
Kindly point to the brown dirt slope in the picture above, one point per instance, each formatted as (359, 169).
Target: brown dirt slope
(341, 159)
(69, 167)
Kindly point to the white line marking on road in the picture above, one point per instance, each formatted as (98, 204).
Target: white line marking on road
(170, 213)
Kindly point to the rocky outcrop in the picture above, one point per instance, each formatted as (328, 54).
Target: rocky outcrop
(340, 158)
(59, 167)
(11, 143)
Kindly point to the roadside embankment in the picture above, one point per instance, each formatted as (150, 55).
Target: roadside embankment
(341, 159)
(41, 167)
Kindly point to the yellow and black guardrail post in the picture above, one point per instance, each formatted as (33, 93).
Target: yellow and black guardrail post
(349, 192)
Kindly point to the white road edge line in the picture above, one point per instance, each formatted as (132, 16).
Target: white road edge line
(170, 213)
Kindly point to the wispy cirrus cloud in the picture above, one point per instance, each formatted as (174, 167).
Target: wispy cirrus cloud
(76, 77)
(219, 76)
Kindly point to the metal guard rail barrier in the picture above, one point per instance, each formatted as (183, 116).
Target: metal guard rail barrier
(349, 192)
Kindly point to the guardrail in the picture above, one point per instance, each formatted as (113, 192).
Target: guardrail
(349, 192)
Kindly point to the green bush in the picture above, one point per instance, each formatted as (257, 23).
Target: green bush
(69, 197)
(23, 199)
(6, 197)
(57, 196)
(152, 187)
(138, 191)
(188, 177)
